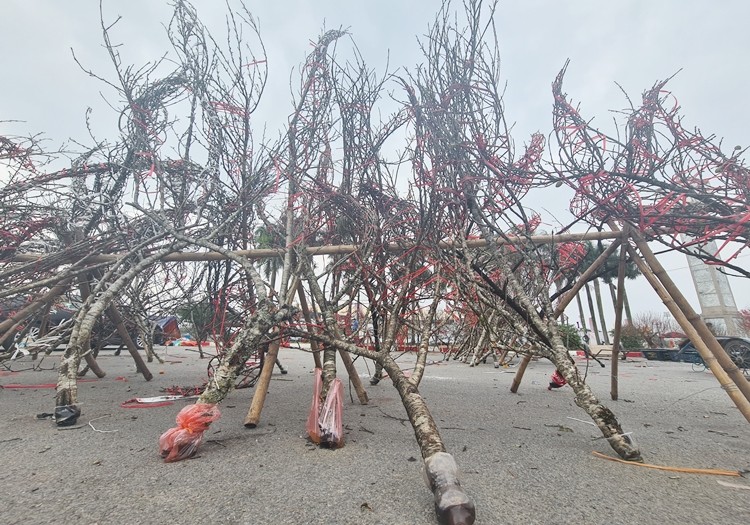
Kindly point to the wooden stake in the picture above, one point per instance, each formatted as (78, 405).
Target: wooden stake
(116, 317)
(613, 390)
(308, 320)
(354, 377)
(519, 374)
(261, 387)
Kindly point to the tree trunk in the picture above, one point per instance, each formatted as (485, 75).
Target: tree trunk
(603, 417)
(452, 504)
(67, 390)
(252, 336)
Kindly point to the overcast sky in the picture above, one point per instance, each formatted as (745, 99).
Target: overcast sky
(631, 42)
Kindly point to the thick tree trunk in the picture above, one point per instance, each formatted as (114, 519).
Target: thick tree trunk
(67, 391)
(252, 337)
(452, 505)
(603, 417)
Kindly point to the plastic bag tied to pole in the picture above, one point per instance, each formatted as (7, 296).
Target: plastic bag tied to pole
(312, 428)
(331, 417)
(325, 424)
(182, 442)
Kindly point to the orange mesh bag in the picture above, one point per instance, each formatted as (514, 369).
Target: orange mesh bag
(331, 418)
(312, 427)
(182, 441)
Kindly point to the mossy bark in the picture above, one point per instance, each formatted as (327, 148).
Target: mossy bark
(251, 337)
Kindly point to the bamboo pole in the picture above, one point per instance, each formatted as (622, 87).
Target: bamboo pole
(116, 317)
(261, 388)
(613, 390)
(346, 358)
(342, 249)
(308, 319)
(85, 289)
(519, 374)
(703, 335)
(721, 375)
(564, 302)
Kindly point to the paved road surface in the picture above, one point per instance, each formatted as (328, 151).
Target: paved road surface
(523, 458)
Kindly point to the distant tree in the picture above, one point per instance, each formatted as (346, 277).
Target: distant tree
(652, 326)
(570, 336)
(631, 337)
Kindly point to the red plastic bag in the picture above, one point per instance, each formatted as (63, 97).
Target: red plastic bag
(312, 427)
(331, 418)
(182, 441)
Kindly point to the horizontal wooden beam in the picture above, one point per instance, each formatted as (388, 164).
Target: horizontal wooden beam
(340, 249)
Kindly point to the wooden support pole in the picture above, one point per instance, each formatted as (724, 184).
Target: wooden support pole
(565, 301)
(85, 289)
(343, 249)
(116, 317)
(346, 358)
(308, 319)
(702, 335)
(519, 374)
(613, 390)
(261, 388)
(711, 361)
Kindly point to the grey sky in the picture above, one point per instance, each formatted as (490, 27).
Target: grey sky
(632, 42)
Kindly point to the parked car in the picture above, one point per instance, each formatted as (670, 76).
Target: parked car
(7, 308)
(660, 354)
(738, 349)
(104, 333)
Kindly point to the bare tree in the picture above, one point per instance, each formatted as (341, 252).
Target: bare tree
(652, 326)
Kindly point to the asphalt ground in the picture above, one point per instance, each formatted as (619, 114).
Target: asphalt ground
(524, 458)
